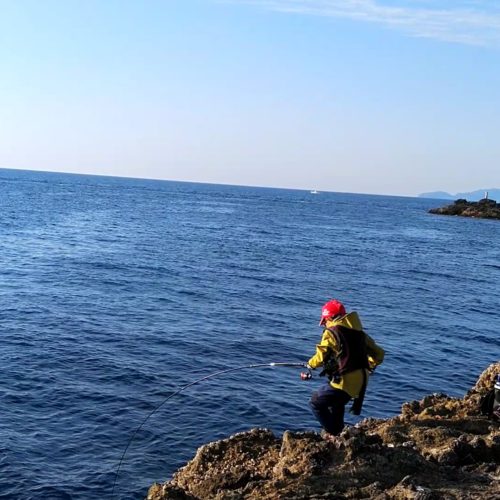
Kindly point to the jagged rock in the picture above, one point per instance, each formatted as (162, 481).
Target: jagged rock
(438, 448)
(485, 209)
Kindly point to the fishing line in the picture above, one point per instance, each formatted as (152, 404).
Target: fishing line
(212, 375)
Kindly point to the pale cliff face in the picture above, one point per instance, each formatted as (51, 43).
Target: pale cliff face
(438, 447)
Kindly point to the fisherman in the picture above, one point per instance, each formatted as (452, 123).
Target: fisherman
(347, 355)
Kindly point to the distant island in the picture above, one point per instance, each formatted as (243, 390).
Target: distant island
(477, 195)
(485, 209)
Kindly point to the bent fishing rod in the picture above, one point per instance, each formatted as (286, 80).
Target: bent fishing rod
(211, 375)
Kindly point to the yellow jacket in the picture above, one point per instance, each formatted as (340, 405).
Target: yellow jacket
(350, 382)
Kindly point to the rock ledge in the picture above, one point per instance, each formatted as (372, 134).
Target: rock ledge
(437, 448)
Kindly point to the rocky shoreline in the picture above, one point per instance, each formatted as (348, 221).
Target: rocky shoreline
(437, 448)
(485, 209)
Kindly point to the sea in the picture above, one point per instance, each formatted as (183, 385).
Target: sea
(121, 297)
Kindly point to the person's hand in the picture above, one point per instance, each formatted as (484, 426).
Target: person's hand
(371, 364)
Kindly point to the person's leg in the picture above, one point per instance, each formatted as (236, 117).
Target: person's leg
(328, 406)
(320, 405)
(339, 400)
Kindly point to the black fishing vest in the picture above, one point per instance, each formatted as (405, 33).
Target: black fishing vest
(352, 344)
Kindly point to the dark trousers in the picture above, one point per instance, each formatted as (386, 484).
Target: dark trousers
(328, 406)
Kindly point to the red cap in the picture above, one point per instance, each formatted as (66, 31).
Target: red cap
(331, 309)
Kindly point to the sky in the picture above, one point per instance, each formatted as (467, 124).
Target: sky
(391, 97)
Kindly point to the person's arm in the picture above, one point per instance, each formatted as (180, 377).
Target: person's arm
(375, 352)
(327, 343)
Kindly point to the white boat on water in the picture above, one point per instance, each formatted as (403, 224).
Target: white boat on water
(313, 191)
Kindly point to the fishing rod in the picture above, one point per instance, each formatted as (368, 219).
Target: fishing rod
(304, 376)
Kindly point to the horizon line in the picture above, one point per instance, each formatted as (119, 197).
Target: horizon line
(258, 186)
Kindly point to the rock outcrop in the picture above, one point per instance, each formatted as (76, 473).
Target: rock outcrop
(485, 208)
(437, 448)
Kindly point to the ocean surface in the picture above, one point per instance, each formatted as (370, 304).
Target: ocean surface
(116, 292)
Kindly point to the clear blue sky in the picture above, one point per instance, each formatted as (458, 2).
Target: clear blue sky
(374, 96)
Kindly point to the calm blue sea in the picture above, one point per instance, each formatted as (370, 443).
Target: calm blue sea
(115, 292)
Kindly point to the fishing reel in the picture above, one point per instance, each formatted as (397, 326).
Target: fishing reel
(306, 375)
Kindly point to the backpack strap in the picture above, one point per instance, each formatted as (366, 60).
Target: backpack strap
(357, 404)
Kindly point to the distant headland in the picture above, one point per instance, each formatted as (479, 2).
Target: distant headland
(477, 195)
(485, 209)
